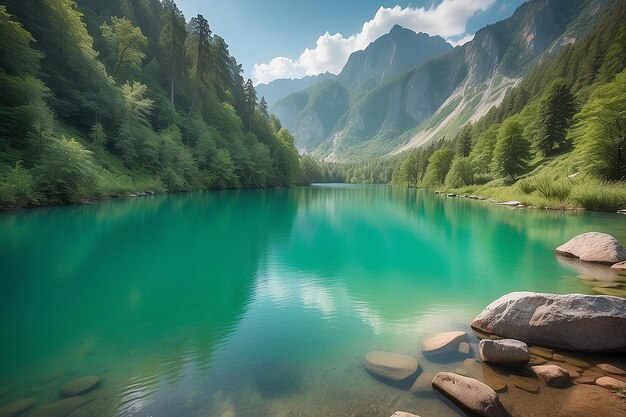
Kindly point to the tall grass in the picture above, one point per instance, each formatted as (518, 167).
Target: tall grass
(599, 196)
(553, 190)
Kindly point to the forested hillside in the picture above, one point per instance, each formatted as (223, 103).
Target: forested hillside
(107, 97)
(558, 139)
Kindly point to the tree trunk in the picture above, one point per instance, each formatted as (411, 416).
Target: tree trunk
(172, 91)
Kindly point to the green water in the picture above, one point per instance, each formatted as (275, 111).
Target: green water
(260, 303)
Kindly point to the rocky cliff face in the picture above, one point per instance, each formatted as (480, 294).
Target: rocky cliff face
(387, 114)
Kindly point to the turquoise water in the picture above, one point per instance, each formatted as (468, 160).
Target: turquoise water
(260, 303)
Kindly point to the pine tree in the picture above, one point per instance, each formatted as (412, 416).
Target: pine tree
(464, 140)
(250, 95)
(512, 151)
(202, 63)
(555, 115)
(172, 42)
(263, 106)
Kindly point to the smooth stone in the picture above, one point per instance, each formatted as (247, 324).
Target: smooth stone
(577, 362)
(558, 357)
(617, 292)
(574, 321)
(541, 351)
(390, 365)
(592, 374)
(572, 370)
(593, 247)
(423, 383)
(443, 342)
(536, 360)
(464, 348)
(584, 380)
(60, 408)
(526, 384)
(509, 351)
(610, 383)
(607, 367)
(403, 414)
(552, 375)
(80, 385)
(470, 394)
(620, 266)
(512, 203)
(18, 407)
(591, 401)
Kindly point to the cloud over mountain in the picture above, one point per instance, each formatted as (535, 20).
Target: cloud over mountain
(447, 19)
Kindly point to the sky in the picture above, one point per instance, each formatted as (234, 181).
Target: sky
(291, 39)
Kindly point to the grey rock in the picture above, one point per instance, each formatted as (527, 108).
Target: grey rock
(552, 375)
(443, 342)
(509, 351)
(594, 247)
(574, 321)
(469, 393)
(390, 365)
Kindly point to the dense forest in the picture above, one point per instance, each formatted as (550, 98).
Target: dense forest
(558, 139)
(109, 97)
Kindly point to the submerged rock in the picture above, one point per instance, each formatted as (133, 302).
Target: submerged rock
(593, 247)
(469, 393)
(574, 321)
(611, 369)
(617, 292)
(611, 383)
(527, 384)
(504, 351)
(80, 385)
(423, 383)
(552, 375)
(390, 365)
(403, 414)
(464, 348)
(443, 342)
(541, 351)
(60, 408)
(17, 408)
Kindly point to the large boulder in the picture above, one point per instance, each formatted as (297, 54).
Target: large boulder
(390, 365)
(578, 322)
(593, 247)
(469, 393)
(443, 342)
(504, 351)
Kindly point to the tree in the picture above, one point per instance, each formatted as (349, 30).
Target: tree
(97, 135)
(482, 153)
(125, 43)
(263, 107)
(250, 95)
(438, 166)
(600, 131)
(512, 151)
(463, 140)
(221, 65)
(135, 138)
(172, 43)
(555, 115)
(224, 170)
(461, 173)
(201, 49)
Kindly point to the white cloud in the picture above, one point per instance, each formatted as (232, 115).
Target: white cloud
(463, 40)
(331, 52)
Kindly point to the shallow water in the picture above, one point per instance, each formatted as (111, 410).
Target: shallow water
(261, 303)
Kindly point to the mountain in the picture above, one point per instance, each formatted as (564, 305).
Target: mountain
(312, 114)
(436, 97)
(282, 87)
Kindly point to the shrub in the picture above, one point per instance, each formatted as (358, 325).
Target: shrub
(553, 190)
(527, 185)
(17, 187)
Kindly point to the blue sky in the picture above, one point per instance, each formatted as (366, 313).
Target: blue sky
(270, 37)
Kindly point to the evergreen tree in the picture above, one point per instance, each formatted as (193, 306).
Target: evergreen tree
(172, 43)
(482, 153)
(438, 166)
(512, 151)
(263, 106)
(463, 140)
(250, 95)
(557, 109)
(201, 48)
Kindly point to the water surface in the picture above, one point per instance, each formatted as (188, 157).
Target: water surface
(260, 303)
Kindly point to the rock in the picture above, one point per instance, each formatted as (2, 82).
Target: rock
(483, 372)
(512, 203)
(469, 393)
(450, 195)
(526, 384)
(541, 351)
(552, 375)
(594, 247)
(577, 362)
(403, 414)
(443, 342)
(60, 408)
(617, 292)
(610, 383)
(611, 369)
(504, 351)
(558, 357)
(536, 360)
(620, 266)
(574, 321)
(423, 383)
(572, 370)
(464, 348)
(590, 400)
(17, 408)
(390, 365)
(584, 380)
(80, 385)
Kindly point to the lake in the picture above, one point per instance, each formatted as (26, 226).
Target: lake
(261, 302)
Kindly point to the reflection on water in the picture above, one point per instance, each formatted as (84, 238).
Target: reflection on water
(254, 303)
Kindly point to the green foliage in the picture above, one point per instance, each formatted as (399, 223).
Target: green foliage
(97, 135)
(555, 115)
(172, 43)
(461, 173)
(126, 44)
(550, 189)
(527, 185)
(463, 140)
(482, 153)
(512, 151)
(438, 166)
(601, 130)
(223, 170)
(17, 187)
(600, 196)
